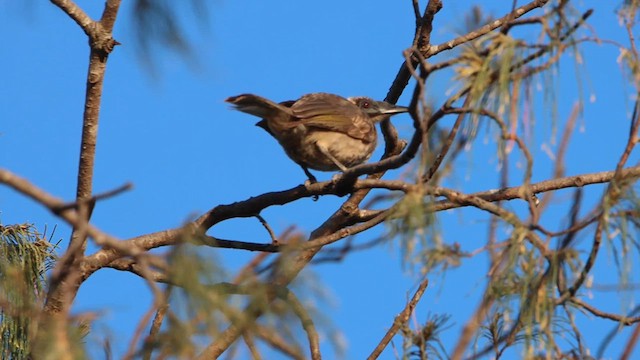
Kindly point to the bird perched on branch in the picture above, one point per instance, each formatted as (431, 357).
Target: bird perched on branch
(321, 131)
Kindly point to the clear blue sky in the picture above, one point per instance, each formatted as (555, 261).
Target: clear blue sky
(175, 139)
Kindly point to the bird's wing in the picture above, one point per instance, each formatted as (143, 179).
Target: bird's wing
(333, 112)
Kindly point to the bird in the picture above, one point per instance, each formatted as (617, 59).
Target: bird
(320, 131)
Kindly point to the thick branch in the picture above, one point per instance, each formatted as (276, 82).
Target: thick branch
(65, 281)
(109, 14)
(247, 208)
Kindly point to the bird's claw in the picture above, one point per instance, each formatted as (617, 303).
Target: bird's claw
(308, 183)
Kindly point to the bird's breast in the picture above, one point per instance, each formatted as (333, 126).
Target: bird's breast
(349, 151)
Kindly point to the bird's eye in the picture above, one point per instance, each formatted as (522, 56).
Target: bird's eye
(365, 104)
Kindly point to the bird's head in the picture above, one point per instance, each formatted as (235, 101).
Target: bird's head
(377, 110)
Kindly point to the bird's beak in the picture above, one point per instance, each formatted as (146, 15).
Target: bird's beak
(389, 109)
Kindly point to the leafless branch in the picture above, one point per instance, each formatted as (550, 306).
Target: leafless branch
(399, 320)
(274, 239)
(622, 319)
(272, 338)
(155, 325)
(96, 198)
(307, 323)
(75, 12)
(522, 10)
(633, 341)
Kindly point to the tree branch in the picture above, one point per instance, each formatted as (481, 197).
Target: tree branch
(399, 320)
(433, 50)
(76, 13)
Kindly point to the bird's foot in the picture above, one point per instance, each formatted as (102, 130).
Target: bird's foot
(307, 183)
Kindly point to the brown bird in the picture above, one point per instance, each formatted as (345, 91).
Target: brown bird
(321, 131)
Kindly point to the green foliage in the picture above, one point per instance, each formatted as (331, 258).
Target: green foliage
(25, 256)
(421, 245)
(621, 232)
(202, 303)
(194, 305)
(424, 341)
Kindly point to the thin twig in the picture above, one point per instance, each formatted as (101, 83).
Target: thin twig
(307, 323)
(96, 198)
(155, 325)
(274, 239)
(559, 169)
(399, 320)
(522, 10)
(277, 342)
(622, 319)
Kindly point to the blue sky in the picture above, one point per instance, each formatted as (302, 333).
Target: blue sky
(185, 151)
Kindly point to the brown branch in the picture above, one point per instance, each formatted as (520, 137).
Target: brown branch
(399, 320)
(546, 49)
(633, 340)
(306, 321)
(633, 136)
(114, 248)
(277, 342)
(249, 269)
(109, 14)
(469, 329)
(68, 275)
(76, 13)
(576, 330)
(505, 215)
(435, 49)
(155, 326)
(447, 144)
(159, 301)
(146, 317)
(559, 169)
(71, 216)
(265, 224)
(544, 186)
(320, 241)
(421, 38)
(610, 197)
(288, 273)
(236, 244)
(251, 345)
(133, 267)
(250, 206)
(622, 319)
(96, 198)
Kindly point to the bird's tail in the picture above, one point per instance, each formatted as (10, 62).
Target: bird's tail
(257, 106)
